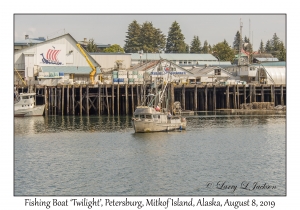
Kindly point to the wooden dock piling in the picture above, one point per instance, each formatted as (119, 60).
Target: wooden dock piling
(59, 100)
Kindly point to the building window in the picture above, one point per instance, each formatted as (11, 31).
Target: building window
(217, 71)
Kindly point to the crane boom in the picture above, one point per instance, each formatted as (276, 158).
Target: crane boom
(93, 72)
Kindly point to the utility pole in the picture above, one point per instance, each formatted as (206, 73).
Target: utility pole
(241, 41)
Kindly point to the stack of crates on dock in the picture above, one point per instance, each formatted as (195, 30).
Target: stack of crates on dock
(115, 77)
(41, 74)
(130, 77)
(107, 79)
(122, 77)
(140, 77)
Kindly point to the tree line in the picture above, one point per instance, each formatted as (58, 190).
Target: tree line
(150, 39)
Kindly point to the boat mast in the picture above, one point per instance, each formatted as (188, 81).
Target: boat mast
(241, 41)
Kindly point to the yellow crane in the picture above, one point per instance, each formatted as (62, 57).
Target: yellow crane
(20, 77)
(93, 72)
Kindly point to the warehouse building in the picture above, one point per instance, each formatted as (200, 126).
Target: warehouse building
(185, 60)
(57, 60)
(110, 61)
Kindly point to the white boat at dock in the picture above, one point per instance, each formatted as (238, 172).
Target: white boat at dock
(25, 105)
(147, 119)
(153, 118)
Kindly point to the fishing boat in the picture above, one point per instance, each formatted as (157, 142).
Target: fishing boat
(153, 118)
(25, 105)
(147, 119)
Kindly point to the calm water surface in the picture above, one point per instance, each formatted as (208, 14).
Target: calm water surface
(218, 154)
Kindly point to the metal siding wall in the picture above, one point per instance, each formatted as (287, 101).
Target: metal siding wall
(108, 61)
(277, 74)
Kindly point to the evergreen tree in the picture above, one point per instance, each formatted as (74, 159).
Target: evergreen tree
(195, 45)
(159, 40)
(91, 46)
(246, 40)
(175, 40)
(209, 48)
(236, 42)
(223, 51)
(275, 42)
(114, 48)
(132, 44)
(205, 48)
(187, 48)
(282, 52)
(261, 47)
(268, 47)
(151, 39)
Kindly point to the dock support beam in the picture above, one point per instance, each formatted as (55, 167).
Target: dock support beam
(99, 99)
(118, 99)
(68, 100)
(245, 95)
(126, 99)
(205, 95)
(87, 100)
(80, 100)
(281, 95)
(107, 105)
(254, 93)
(195, 98)
(172, 97)
(46, 100)
(73, 100)
(234, 96)
(132, 99)
(138, 95)
(272, 93)
(63, 100)
(113, 100)
(227, 97)
(238, 96)
(262, 94)
(183, 97)
(250, 93)
(214, 99)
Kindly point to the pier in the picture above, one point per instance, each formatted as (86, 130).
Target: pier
(122, 99)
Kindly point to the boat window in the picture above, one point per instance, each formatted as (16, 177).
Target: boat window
(155, 116)
(25, 97)
(136, 116)
(142, 116)
(148, 116)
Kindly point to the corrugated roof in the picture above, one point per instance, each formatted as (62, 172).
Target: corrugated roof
(28, 42)
(278, 63)
(69, 69)
(110, 53)
(174, 56)
(211, 63)
(267, 59)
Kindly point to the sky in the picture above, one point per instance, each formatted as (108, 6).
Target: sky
(112, 28)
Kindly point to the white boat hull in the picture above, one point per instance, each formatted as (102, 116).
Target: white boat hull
(145, 127)
(35, 111)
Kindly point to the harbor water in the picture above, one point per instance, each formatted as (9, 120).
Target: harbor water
(218, 154)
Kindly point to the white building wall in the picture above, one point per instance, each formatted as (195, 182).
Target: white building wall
(72, 53)
(278, 74)
(108, 61)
